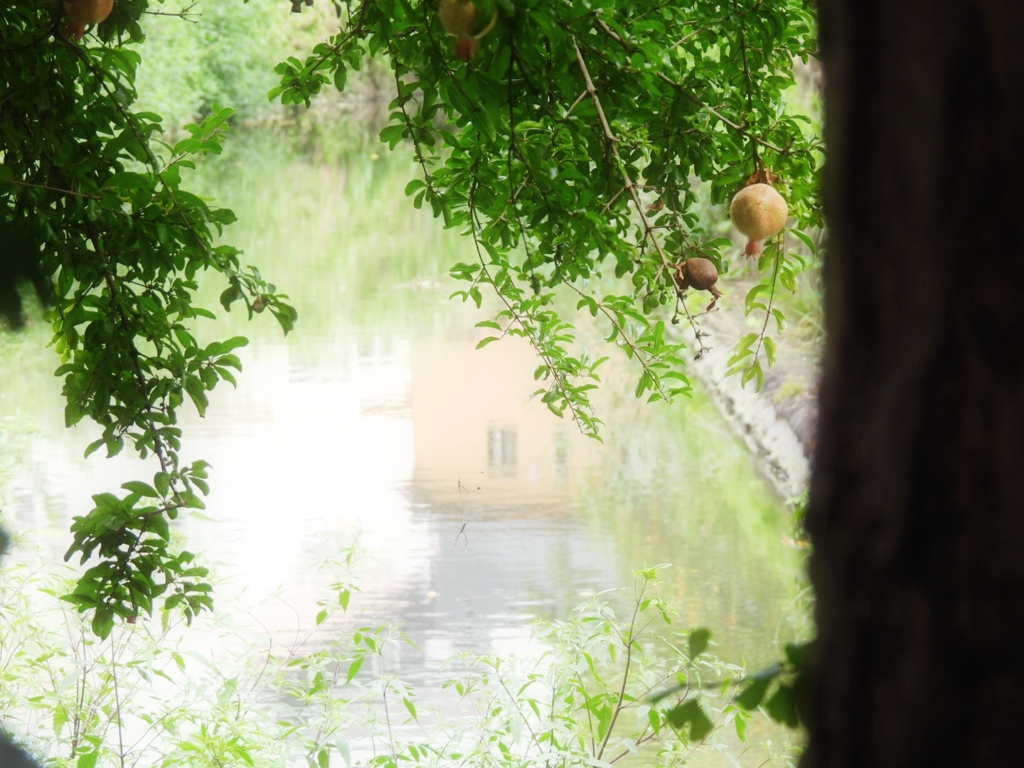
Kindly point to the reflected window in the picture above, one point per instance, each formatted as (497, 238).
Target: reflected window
(501, 451)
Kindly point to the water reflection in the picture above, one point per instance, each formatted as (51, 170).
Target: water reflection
(478, 511)
(454, 481)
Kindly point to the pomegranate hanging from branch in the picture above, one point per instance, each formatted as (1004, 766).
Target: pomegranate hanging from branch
(699, 274)
(84, 13)
(758, 212)
(468, 21)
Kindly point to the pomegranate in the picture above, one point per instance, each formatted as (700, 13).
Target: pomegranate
(759, 212)
(699, 274)
(468, 21)
(84, 13)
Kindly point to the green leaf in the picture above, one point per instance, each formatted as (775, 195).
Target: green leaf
(230, 295)
(780, 320)
(103, 622)
(159, 526)
(804, 238)
(162, 483)
(409, 706)
(752, 301)
(740, 724)
(217, 348)
(769, 350)
(691, 714)
(752, 695)
(753, 373)
(799, 654)
(654, 720)
(698, 642)
(353, 669)
(81, 600)
(143, 489)
(781, 707)
(196, 390)
(286, 317)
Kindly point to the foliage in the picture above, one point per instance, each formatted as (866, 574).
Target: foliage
(577, 150)
(219, 53)
(147, 696)
(779, 687)
(98, 201)
(580, 144)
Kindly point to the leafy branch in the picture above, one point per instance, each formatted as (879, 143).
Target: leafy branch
(746, 359)
(123, 241)
(627, 180)
(561, 186)
(548, 336)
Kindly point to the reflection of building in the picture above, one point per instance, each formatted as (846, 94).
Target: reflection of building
(501, 451)
(476, 430)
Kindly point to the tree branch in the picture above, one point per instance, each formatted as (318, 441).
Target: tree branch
(627, 180)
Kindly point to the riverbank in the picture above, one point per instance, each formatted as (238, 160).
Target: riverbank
(778, 422)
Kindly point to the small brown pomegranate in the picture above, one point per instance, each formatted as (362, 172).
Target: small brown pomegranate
(759, 212)
(699, 274)
(84, 13)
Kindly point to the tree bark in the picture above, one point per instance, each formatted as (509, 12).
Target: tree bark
(917, 496)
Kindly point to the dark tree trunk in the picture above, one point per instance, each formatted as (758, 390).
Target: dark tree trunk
(917, 498)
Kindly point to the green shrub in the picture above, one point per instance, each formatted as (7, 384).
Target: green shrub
(155, 695)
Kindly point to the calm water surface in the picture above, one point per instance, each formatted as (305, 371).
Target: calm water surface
(377, 420)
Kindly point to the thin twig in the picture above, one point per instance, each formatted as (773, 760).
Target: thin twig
(629, 642)
(117, 703)
(512, 698)
(750, 92)
(18, 183)
(417, 150)
(183, 14)
(771, 299)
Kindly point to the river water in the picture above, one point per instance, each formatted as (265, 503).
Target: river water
(475, 510)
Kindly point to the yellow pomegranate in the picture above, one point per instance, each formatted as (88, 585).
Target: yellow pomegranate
(84, 13)
(759, 212)
(468, 21)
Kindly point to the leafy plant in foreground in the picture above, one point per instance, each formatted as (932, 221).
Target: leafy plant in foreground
(580, 693)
